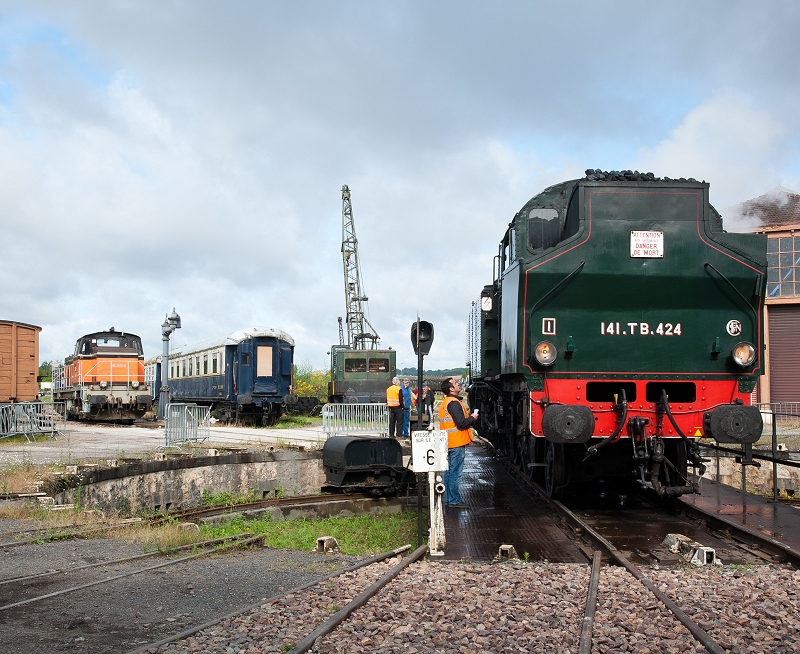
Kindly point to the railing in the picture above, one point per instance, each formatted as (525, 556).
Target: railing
(785, 416)
(355, 419)
(186, 423)
(32, 418)
(780, 419)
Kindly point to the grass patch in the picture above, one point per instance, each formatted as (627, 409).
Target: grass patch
(365, 535)
(16, 439)
(225, 498)
(288, 421)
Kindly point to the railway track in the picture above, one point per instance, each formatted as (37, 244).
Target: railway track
(12, 589)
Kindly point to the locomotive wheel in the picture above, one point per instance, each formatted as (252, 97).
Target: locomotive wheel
(555, 470)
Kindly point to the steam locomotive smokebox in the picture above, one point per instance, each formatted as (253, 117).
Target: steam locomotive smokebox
(362, 462)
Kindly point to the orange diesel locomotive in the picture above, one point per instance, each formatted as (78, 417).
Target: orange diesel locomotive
(104, 379)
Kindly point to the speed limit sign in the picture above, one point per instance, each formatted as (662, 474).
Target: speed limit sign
(429, 451)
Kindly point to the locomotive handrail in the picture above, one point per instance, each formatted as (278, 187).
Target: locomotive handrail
(790, 463)
(730, 283)
(552, 290)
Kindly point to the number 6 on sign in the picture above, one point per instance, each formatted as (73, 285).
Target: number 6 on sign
(429, 451)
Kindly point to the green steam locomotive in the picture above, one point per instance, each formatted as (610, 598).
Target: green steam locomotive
(622, 325)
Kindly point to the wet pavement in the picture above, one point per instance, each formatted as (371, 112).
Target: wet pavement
(499, 512)
(780, 521)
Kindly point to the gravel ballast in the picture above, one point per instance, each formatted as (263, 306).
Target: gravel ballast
(517, 607)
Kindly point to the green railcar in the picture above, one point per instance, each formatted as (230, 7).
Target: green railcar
(360, 375)
(623, 324)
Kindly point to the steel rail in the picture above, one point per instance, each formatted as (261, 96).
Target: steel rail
(585, 644)
(205, 543)
(699, 634)
(340, 616)
(246, 541)
(64, 535)
(250, 607)
(241, 508)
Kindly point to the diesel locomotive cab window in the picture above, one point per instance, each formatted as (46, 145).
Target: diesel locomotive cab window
(379, 365)
(355, 365)
(108, 342)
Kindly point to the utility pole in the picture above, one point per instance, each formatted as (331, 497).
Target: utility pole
(359, 329)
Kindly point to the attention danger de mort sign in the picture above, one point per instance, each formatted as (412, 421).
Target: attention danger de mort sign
(647, 244)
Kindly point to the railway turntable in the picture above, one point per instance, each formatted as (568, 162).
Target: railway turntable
(499, 512)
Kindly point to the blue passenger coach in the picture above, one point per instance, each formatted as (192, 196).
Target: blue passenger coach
(245, 377)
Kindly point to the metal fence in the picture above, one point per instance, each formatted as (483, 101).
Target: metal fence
(786, 416)
(186, 423)
(355, 419)
(32, 418)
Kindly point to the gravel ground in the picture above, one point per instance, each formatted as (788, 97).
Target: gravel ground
(516, 607)
(141, 609)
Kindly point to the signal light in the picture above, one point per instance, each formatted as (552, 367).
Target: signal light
(423, 340)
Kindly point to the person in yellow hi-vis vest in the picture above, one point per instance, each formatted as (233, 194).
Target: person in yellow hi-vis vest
(454, 420)
(394, 400)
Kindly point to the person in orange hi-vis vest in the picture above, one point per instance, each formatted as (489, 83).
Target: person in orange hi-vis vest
(394, 400)
(454, 420)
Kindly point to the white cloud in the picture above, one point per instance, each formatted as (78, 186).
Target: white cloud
(727, 141)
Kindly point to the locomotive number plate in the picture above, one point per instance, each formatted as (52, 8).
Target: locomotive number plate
(640, 329)
(647, 245)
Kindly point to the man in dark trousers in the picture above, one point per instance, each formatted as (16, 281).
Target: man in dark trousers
(394, 400)
(454, 419)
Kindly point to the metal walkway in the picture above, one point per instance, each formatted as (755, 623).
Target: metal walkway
(780, 521)
(498, 513)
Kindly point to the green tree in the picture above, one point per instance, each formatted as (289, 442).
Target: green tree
(45, 371)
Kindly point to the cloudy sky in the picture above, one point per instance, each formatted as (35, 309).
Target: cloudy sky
(191, 154)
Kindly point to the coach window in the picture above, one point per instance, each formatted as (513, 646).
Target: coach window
(214, 363)
(190, 366)
(264, 361)
(183, 374)
(205, 364)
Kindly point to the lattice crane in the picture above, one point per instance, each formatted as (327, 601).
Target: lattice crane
(359, 330)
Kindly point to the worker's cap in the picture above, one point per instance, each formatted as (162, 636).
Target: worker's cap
(406, 381)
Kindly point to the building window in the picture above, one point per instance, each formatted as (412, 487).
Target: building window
(783, 262)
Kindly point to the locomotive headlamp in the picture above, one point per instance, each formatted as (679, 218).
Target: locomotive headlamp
(135, 384)
(744, 354)
(104, 385)
(545, 353)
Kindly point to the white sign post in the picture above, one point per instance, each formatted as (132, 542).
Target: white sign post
(429, 454)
